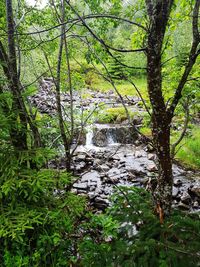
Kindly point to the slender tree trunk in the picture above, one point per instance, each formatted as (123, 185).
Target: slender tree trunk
(66, 141)
(158, 12)
(18, 136)
(18, 132)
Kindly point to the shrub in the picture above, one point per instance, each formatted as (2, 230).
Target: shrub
(38, 216)
(140, 239)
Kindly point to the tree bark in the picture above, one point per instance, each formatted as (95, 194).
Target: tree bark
(158, 12)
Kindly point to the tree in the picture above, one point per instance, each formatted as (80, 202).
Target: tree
(159, 13)
(8, 60)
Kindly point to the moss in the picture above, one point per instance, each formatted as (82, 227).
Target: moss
(117, 114)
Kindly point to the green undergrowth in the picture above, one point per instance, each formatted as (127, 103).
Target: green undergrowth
(189, 152)
(36, 225)
(134, 237)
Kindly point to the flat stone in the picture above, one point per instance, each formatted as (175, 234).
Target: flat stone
(91, 176)
(82, 186)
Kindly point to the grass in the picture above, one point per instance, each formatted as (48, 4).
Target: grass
(117, 114)
(189, 153)
(124, 87)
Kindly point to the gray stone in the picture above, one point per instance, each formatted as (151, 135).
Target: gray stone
(113, 172)
(138, 154)
(175, 192)
(195, 189)
(196, 205)
(82, 186)
(104, 168)
(80, 157)
(177, 182)
(185, 198)
(91, 176)
(151, 156)
(152, 167)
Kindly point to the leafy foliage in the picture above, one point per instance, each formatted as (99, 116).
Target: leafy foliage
(138, 239)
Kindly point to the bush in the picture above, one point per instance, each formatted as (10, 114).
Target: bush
(140, 240)
(38, 216)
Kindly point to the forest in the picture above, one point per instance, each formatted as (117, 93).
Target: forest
(100, 133)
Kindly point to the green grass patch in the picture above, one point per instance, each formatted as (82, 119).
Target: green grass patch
(124, 87)
(117, 115)
(189, 153)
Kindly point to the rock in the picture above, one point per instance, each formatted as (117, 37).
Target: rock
(104, 168)
(81, 186)
(101, 203)
(196, 205)
(177, 182)
(152, 167)
(113, 172)
(175, 192)
(113, 134)
(149, 148)
(80, 166)
(90, 176)
(183, 206)
(185, 198)
(195, 190)
(80, 157)
(138, 154)
(151, 156)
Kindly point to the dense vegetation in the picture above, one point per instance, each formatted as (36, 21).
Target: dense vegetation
(148, 49)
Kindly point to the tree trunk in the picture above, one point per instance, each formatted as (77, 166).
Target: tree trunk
(158, 12)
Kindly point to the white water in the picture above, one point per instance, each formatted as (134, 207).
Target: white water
(89, 136)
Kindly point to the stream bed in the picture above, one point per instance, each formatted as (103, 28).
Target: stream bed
(113, 155)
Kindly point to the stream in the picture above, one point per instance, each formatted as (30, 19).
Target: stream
(113, 155)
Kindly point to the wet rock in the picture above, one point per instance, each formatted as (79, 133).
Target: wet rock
(81, 186)
(80, 157)
(177, 182)
(175, 192)
(101, 203)
(195, 190)
(183, 206)
(113, 172)
(152, 167)
(185, 198)
(104, 168)
(113, 134)
(138, 154)
(151, 156)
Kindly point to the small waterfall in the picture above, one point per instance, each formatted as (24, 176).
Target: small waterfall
(89, 136)
(110, 139)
